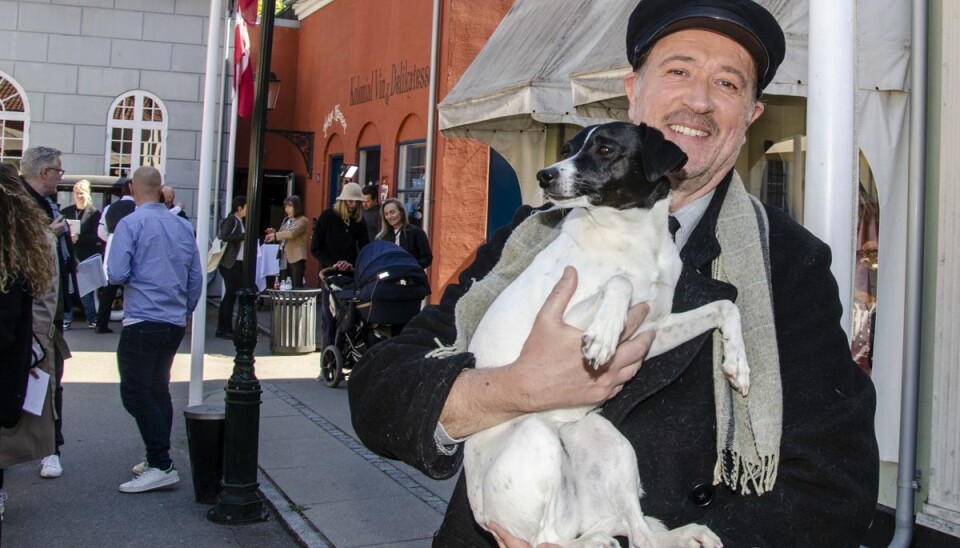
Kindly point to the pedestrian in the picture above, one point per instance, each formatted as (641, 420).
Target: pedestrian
(292, 235)
(154, 257)
(371, 209)
(168, 196)
(795, 462)
(108, 224)
(340, 232)
(41, 171)
(397, 229)
(338, 235)
(28, 271)
(231, 264)
(86, 244)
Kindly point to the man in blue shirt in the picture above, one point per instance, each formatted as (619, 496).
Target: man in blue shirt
(154, 257)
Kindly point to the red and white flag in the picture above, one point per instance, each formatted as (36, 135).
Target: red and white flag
(242, 71)
(248, 10)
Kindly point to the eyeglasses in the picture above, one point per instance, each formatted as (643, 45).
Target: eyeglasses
(60, 171)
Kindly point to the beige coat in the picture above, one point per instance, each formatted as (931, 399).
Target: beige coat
(297, 237)
(33, 437)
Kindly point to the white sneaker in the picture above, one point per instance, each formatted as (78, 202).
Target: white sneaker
(140, 467)
(3, 503)
(50, 467)
(150, 479)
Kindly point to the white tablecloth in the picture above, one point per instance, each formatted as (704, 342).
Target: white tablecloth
(267, 264)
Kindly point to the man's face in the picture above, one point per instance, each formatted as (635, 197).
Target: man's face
(368, 202)
(50, 177)
(167, 198)
(698, 88)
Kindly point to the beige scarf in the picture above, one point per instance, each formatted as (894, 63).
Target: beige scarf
(748, 428)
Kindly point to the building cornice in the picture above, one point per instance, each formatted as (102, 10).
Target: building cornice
(303, 8)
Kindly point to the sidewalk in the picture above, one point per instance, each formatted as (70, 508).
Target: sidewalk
(321, 484)
(326, 486)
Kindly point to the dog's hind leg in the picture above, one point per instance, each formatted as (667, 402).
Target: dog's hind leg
(608, 487)
(677, 329)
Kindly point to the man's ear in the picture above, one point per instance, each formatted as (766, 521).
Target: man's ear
(659, 156)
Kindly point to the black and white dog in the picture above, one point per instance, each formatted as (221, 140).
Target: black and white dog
(568, 476)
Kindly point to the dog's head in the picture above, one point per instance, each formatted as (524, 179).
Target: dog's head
(618, 165)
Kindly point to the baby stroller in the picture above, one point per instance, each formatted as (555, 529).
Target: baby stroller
(384, 293)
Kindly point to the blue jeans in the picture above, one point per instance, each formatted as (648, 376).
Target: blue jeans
(145, 355)
(89, 309)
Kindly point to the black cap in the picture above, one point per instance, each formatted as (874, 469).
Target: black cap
(744, 21)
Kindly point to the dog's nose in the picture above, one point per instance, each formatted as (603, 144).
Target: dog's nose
(546, 176)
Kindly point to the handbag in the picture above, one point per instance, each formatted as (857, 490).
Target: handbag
(215, 254)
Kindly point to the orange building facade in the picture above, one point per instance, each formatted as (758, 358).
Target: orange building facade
(356, 74)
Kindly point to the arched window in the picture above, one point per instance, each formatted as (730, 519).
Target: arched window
(136, 133)
(14, 119)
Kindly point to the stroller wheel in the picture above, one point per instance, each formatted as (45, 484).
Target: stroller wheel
(331, 366)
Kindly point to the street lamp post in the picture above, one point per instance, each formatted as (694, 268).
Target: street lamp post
(239, 501)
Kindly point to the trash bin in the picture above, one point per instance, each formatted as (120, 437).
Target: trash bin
(205, 425)
(293, 321)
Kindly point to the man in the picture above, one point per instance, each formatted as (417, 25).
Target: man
(796, 462)
(41, 170)
(371, 209)
(169, 195)
(108, 224)
(154, 257)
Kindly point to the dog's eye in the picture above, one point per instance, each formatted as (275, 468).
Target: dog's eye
(565, 152)
(604, 150)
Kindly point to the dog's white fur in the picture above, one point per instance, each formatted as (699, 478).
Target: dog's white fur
(568, 476)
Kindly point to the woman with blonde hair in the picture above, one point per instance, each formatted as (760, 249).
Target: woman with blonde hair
(86, 244)
(397, 229)
(28, 271)
(338, 235)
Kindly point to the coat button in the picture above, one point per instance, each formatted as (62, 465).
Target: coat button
(702, 494)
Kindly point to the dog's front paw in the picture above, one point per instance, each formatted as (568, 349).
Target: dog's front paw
(735, 365)
(598, 348)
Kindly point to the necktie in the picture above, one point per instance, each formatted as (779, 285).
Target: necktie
(674, 226)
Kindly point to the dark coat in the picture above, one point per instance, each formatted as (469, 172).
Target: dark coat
(88, 243)
(414, 240)
(16, 328)
(333, 240)
(826, 490)
(231, 233)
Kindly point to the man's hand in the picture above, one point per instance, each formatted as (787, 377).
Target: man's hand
(504, 540)
(551, 366)
(550, 372)
(343, 266)
(59, 226)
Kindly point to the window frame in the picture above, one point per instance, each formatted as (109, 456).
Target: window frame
(137, 126)
(12, 115)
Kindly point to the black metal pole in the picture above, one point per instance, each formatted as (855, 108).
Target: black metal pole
(239, 501)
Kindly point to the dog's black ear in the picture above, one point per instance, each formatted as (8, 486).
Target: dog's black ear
(658, 155)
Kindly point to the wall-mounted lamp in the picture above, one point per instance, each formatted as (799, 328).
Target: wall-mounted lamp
(273, 91)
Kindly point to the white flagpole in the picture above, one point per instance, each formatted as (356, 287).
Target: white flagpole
(207, 136)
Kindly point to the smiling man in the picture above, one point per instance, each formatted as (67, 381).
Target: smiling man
(794, 463)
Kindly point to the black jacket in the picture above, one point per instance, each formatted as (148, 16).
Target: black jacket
(16, 338)
(414, 240)
(333, 240)
(826, 490)
(231, 233)
(88, 243)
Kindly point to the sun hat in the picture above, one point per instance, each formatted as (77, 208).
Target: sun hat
(351, 192)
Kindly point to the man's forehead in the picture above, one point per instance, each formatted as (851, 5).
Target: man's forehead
(700, 46)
